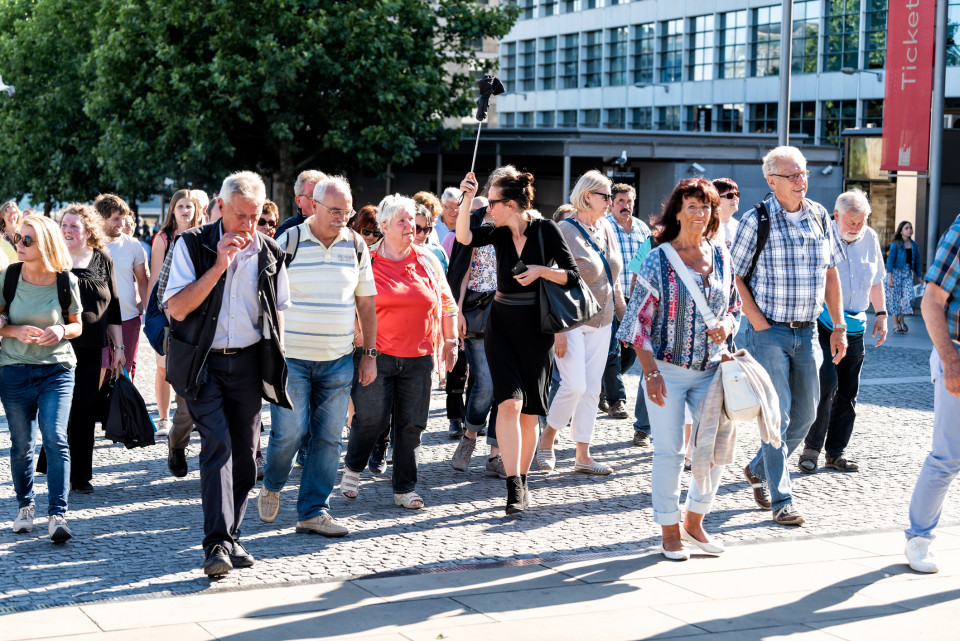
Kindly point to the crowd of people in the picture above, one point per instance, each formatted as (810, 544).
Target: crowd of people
(342, 318)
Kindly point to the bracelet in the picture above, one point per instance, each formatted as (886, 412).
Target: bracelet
(118, 347)
(652, 375)
(452, 340)
(880, 313)
(64, 328)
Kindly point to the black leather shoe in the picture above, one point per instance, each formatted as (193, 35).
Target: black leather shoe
(217, 562)
(83, 488)
(240, 558)
(177, 461)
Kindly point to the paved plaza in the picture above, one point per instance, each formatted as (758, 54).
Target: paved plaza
(138, 535)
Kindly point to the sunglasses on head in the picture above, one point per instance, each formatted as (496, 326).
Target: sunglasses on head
(424, 230)
(730, 195)
(376, 233)
(26, 240)
(267, 223)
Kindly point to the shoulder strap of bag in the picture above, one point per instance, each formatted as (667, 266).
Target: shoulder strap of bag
(358, 245)
(763, 233)
(597, 249)
(708, 316)
(10, 281)
(466, 279)
(293, 243)
(63, 292)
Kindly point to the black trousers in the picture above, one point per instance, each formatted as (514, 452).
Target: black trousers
(839, 386)
(456, 386)
(227, 415)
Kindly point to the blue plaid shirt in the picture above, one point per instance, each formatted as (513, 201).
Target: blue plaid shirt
(791, 275)
(629, 245)
(945, 274)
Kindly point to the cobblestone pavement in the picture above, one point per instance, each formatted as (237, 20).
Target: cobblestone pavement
(139, 532)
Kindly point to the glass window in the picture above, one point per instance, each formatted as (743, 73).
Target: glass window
(765, 53)
(545, 119)
(733, 44)
(615, 118)
(590, 118)
(837, 116)
(668, 118)
(507, 119)
(763, 118)
(548, 7)
(729, 118)
(698, 118)
(592, 4)
(548, 63)
(643, 51)
(641, 118)
(569, 56)
(568, 118)
(806, 34)
(525, 119)
(526, 9)
(570, 6)
(875, 34)
(953, 33)
(701, 48)
(508, 63)
(842, 31)
(871, 114)
(527, 65)
(592, 58)
(671, 50)
(617, 42)
(803, 119)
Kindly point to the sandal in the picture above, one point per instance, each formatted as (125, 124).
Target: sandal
(808, 460)
(350, 484)
(409, 500)
(840, 464)
(904, 326)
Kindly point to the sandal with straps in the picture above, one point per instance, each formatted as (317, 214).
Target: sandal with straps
(350, 484)
(808, 460)
(840, 464)
(409, 500)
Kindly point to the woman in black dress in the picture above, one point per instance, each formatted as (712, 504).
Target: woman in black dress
(519, 354)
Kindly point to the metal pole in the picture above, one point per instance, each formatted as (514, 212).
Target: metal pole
(936, 129)
(475, 145)
(786, 57)
(439, 171)
(566, 176)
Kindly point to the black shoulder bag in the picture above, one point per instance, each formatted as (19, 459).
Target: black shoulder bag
(563, 308)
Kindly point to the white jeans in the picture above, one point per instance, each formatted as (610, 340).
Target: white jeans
(581, 374)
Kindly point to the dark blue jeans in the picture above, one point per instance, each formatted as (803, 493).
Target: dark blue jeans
(619, 360)
(38, 395)
(839, 386)
(402, 387)
(480, 395)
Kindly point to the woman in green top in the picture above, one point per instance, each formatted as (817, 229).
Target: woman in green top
(37, 368)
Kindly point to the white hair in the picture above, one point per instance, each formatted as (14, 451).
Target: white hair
(201, 197)
(245, 184)
(450, 193)
(338, 183)
(853, 201)
(307, 176)
(392, 205)
(782, 153)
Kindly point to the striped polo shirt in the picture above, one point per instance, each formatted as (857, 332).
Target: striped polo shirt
(319, 324)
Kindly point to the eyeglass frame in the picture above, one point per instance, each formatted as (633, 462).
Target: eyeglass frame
(263, 222)
(350, 213)
(805, 174)
(730, 195)
(607, 198)
(376, 233)
(424, 230)
(28, 241)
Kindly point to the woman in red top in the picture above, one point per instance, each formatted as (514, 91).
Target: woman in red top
(416, 313)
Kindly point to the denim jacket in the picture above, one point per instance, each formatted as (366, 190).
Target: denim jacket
(897, 259)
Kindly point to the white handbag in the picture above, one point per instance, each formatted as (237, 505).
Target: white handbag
(740, 400)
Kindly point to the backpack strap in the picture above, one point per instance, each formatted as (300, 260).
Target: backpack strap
(358, 246)
(293, 243)
(763, 233)
(10, 281)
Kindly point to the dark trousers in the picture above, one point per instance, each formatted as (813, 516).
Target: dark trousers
(456, 386)
(619, 360)
(227, 415)
(402, 388)
(839, 386)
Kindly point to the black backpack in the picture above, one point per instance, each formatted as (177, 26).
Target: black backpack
(763, 233)
(12, 279)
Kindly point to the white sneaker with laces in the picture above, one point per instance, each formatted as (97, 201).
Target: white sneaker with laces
(24, 521)
(163, 427)
(58, 530)
(268, 505)
(920, 556)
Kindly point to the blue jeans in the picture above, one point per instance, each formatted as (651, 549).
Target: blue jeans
(942, 463)
(41, 393)
(480, 394)
(620, 358)
(792, 358)
(320, 392)
(683, 387)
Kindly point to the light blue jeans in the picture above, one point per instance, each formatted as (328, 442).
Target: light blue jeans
(480, 395)
(942, 463)
(32, 395)
(792, 358)
(320, 392)
(683, 387)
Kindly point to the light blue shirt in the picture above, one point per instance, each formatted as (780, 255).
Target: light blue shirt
(238, 324)
(863, 268)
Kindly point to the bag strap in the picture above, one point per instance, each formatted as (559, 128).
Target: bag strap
(12, 279)
(678, 266)
(763, 233)
(63, 293)
(466, 279)
(293, 243)
(606, 265)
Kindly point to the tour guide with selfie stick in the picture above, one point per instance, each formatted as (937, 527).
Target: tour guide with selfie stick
(489, 86)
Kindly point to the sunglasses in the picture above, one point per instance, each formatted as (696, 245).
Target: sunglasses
(376, 233)
(424, 230)
(730, 195)
(25, 240)
(267, 223)
(606, 197)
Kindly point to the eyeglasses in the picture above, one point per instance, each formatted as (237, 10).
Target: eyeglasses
(730, 195)
(376, 233)
(338, 212)
(606, 197)
(267, 223)
(424, 230)
(307, 196)
(797, 177)
(26, 240)
(494, 201)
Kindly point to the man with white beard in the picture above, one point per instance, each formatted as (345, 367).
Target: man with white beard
(861, 278)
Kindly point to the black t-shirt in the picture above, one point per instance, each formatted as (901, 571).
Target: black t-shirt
(98, 296)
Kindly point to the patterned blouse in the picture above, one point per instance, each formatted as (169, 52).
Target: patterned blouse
(663, 319)
(483, 272)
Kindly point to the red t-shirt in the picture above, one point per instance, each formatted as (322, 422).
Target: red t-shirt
(405, 307)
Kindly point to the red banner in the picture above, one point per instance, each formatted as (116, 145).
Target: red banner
(909, 76)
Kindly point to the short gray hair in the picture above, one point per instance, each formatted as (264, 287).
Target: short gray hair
(307, 176)
(392, 205)
(781, 153)
(339, 183)
(246, 184)
(450, 193)
(853, 201)
(201, 197)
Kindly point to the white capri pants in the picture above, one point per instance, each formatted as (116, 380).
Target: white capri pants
(581, 375)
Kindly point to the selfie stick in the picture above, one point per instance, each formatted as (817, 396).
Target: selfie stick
(476, 145)
(489, 86)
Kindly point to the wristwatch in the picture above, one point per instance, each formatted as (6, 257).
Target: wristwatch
(842, 326)
(372, 352)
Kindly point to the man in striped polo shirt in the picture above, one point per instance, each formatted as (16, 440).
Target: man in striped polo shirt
(331, 284)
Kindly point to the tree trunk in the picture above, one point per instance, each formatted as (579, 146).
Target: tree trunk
(284, 185)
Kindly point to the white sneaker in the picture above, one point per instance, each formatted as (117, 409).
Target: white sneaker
(57, 527)
(268, 505)
(24, 521)
(920, 556)
(163, 427)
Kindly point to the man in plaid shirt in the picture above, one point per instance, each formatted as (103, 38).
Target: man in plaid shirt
(795, 274)
(941, 313)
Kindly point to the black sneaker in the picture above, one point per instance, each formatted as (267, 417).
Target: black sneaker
(456, 429)
(177, 461)
(217, 562)
(377, 463)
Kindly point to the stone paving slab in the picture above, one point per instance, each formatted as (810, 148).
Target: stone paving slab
(138, 534)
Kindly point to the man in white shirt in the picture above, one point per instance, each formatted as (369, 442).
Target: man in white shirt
(729, 204)
(450, 199)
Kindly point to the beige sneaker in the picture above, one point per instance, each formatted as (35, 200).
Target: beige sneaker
(24, 521)
(323, 525)
(268, 505)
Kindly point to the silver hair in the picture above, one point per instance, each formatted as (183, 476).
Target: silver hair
(307, 176)
(392, 205)
(339, 183)
(201, 197)
(246, 184)
(853, 201)
(781, 153)
(451, 193)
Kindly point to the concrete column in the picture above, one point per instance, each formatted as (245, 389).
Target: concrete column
(566, 177)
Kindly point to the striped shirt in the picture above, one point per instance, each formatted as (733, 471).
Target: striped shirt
(630, 244)
(944, 272)
(324, 282)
